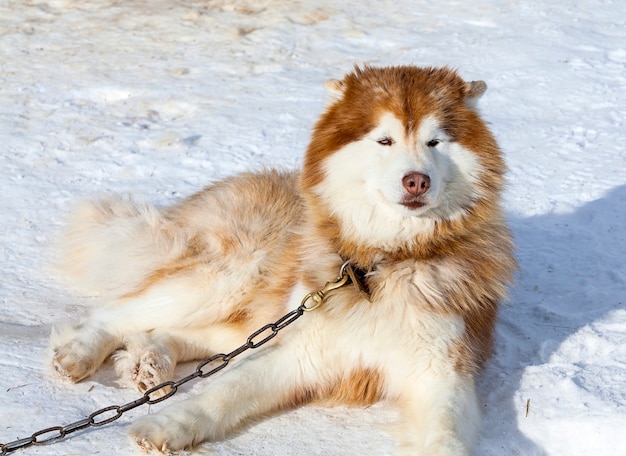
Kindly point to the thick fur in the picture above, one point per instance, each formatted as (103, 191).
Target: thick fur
(402, 178)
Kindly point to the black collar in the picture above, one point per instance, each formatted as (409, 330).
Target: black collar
(358, 278)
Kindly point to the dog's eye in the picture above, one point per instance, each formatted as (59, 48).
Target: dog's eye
(385, 141)
(433, 143)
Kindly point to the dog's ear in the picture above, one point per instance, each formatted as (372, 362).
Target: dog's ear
(334, 90)
(473, 91)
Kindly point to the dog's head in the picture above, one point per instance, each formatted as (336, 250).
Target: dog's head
(399, 153)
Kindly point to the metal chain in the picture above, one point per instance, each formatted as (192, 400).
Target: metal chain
(204, 369)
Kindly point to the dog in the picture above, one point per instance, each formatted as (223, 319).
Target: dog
(401, 180)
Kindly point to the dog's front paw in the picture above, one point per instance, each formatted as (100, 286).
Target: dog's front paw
(154, 433)
(170, 430)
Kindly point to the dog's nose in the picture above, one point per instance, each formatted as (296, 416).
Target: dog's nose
(416, 183)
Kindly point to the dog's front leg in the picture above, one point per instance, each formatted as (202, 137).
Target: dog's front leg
(439, 416)
(264, 381)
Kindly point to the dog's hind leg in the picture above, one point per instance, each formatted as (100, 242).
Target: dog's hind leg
(190, 312)
(149, 358)
(78, 352)
(219, 259)
(79, 349)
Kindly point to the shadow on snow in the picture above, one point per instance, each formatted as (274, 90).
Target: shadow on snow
(571, 274)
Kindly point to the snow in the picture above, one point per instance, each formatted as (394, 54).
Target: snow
(160, 97)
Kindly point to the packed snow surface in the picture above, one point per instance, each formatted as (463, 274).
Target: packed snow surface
(159, 98)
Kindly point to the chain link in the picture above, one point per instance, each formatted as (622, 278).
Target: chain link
(204, 369)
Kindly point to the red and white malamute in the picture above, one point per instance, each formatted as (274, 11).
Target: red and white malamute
(401, 179)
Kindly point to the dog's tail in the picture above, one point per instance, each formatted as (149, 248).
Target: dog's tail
(110, 245)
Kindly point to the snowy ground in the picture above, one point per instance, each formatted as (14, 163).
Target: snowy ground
(160, 97)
